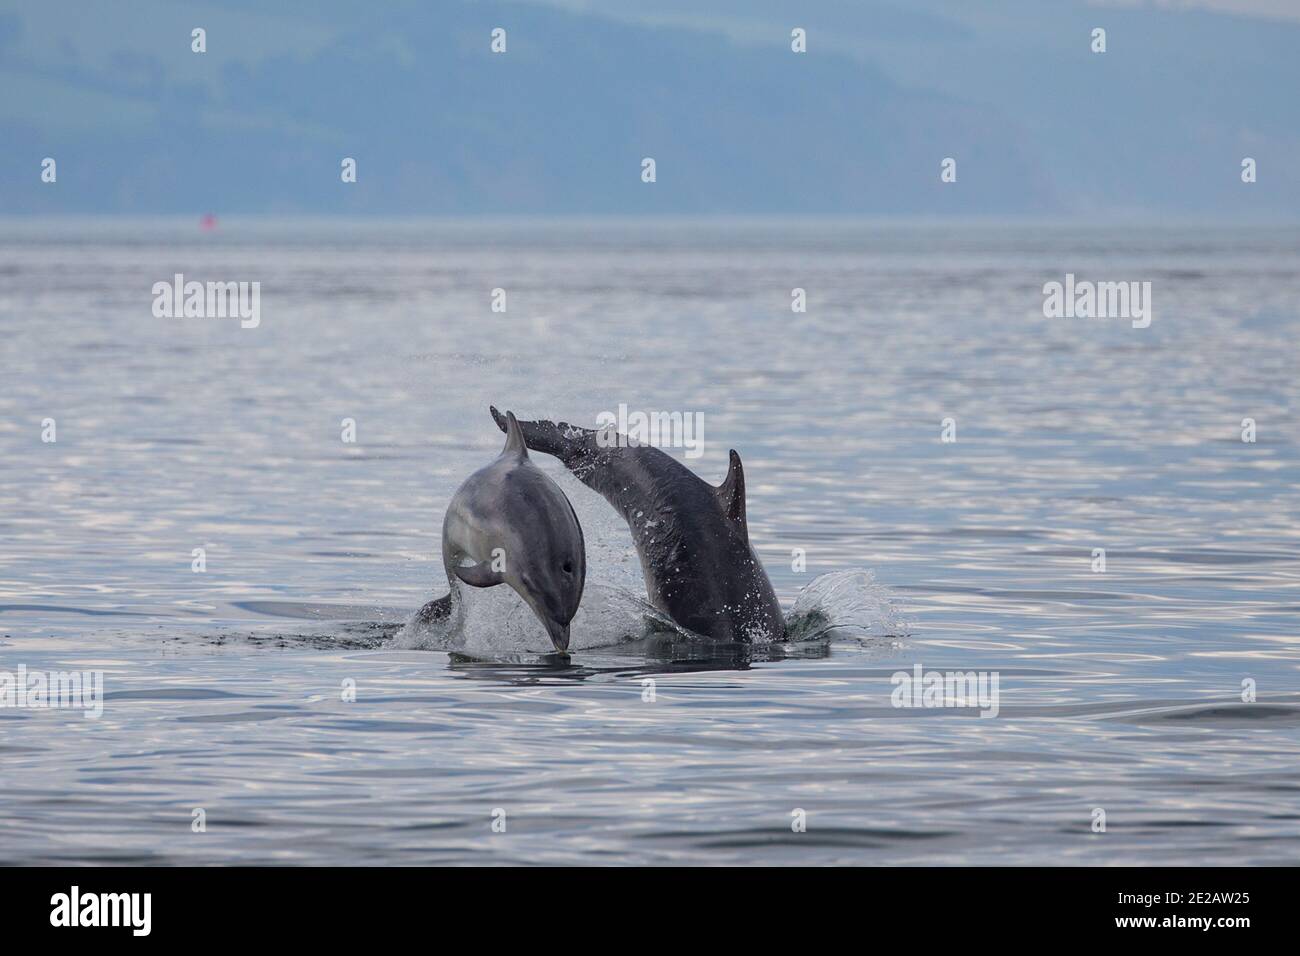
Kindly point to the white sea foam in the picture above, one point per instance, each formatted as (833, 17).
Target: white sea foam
(840, 606)
(845, 605)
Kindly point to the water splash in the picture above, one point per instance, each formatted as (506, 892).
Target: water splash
(496, 621)
(847, 605)
(840, 606)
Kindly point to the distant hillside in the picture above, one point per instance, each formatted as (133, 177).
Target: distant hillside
(560, 123)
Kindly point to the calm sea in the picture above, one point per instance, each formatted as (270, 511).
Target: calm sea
(1162, 691)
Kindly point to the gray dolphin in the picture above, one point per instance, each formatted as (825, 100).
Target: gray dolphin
(509, 523)
(692, 539)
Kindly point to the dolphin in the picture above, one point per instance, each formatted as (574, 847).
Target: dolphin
(509, 523)
(692, 538)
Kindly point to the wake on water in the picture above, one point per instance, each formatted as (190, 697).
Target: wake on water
(843, 605)
(495, 622)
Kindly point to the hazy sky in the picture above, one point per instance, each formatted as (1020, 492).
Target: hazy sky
(741, 11)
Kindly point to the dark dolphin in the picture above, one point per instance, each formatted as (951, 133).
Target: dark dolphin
(692, 538)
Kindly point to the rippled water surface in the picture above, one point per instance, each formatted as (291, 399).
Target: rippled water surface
(1120, 690)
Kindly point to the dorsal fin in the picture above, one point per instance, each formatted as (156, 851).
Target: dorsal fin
(514, 438)
(731, 494)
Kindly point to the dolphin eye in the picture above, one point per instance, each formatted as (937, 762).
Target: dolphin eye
(567, 567)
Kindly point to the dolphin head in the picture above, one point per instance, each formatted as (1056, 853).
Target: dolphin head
(523, 532)
(547, 566)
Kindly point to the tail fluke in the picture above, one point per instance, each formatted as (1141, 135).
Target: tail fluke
(562, 440)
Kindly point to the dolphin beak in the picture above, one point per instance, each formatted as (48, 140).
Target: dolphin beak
(559, 634)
